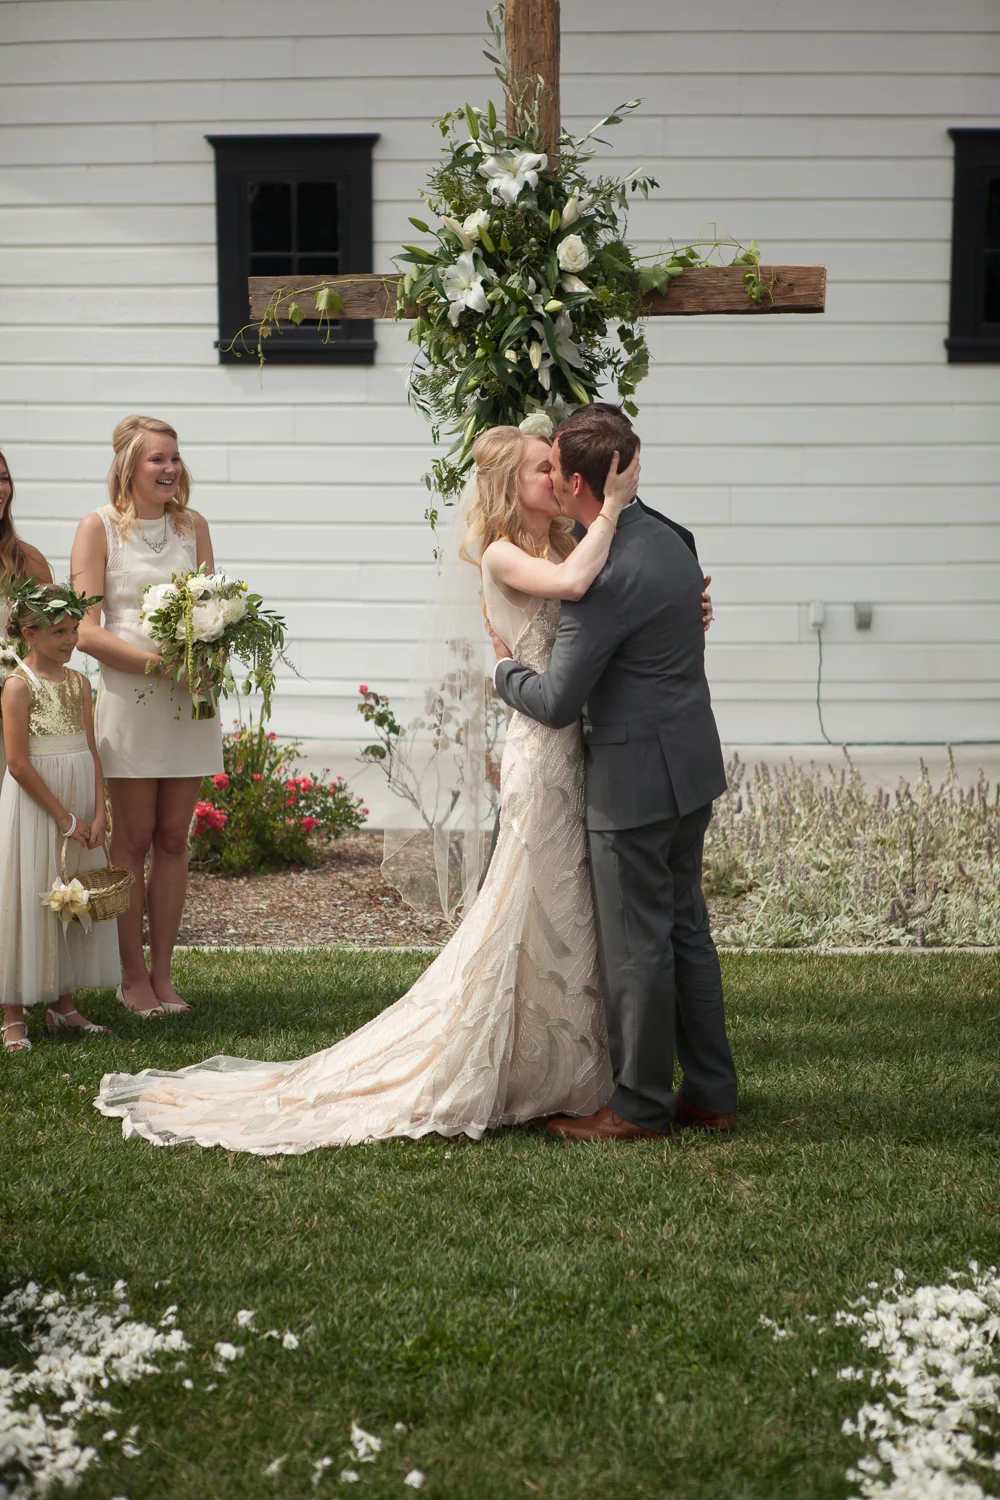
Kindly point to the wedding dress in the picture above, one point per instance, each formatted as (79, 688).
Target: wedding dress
(506, 1024)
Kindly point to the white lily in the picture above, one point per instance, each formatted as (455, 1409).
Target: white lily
(463, 286)
(458, 230)
(508, 173)
(571, 283)
(475, 221)
(565, 349)
(574, 209)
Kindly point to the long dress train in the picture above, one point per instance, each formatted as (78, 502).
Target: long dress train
(506, 1024)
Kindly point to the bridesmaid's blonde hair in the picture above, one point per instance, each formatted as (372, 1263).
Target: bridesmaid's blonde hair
(498, 454)
(127, 440)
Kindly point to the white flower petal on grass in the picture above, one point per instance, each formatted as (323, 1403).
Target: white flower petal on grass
(320, 1467)
(244, 1318)
(366, 1445)
(400, 1427)
(349, 1476)
(274, 1468)
(79, 1347)
(188, 1384)
(290, 1341)
(415, 1479)
(230, 1352)
(936, 1355)
(129, 1450)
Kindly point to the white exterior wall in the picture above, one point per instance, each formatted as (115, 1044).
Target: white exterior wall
(836, 458)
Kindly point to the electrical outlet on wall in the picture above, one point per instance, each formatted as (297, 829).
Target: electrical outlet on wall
(817, 615)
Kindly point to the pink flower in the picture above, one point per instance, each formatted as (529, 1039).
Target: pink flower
(308, 824)
(272, 735)
(363, 689)
(365, 811)
(256, 775)
(220, 782)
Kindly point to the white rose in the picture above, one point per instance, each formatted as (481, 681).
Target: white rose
(156, 597)
(536, 424)
(208, 621)
(572, 253)
(202, 585)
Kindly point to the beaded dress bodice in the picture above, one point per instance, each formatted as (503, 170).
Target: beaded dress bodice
(56, 707)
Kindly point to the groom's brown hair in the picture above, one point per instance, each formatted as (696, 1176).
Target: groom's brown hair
(589, 437)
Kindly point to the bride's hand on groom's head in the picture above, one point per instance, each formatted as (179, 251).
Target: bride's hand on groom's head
(620, 489)
(501, 650)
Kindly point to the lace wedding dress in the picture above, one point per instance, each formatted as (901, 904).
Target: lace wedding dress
(506, 1025)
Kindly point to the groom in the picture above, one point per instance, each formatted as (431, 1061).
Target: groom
(630, 658)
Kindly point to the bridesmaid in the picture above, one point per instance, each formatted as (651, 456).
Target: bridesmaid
(154, 754)
(17, 560)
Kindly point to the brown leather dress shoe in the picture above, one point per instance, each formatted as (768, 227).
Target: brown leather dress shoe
(605, 1125)
(702, 1119)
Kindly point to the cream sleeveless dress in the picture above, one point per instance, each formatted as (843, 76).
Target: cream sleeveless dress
(506, 1025)
(41, 957)
(143, 724)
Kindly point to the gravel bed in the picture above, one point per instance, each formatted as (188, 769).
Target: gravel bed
(343, 900)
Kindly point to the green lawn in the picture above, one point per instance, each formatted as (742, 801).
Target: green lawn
(574, 1322)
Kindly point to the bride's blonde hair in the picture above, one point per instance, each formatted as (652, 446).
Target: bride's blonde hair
(127, 440)
(496, 512)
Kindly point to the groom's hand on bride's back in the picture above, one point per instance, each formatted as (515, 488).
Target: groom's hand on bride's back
(707, 613)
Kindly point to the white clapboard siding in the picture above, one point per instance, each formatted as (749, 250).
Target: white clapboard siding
(838, 459)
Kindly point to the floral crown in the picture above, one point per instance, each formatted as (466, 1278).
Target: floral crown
(42, 604)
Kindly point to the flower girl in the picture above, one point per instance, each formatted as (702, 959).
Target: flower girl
(54, 788)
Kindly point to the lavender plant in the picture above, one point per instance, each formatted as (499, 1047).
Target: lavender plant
(824, 862)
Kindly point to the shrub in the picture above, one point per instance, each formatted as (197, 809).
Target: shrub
(258, 814)
(823, 861)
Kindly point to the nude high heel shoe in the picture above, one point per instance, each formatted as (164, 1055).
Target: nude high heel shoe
(154, 1013)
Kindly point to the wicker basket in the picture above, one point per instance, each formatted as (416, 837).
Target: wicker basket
(110, 889)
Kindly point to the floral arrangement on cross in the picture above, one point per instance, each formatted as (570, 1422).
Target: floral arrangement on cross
(529, 301)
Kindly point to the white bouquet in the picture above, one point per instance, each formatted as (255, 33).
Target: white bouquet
(199, 622)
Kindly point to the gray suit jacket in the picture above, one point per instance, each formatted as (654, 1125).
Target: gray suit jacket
(630, 657)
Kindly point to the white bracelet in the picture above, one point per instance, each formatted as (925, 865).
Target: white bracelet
(72, 827)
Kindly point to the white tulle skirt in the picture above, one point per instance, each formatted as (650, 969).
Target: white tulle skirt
(42, 957)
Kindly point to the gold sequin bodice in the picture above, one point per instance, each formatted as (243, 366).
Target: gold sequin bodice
(56, 707)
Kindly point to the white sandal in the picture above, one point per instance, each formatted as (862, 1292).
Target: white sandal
(154, 1012)
(58, 1020)
(16, 1044)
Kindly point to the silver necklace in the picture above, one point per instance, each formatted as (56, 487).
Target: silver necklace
(155, 546)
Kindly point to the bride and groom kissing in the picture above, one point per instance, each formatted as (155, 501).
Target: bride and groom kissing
(585, 965)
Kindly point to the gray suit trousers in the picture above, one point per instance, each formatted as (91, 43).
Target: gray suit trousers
(662, 982)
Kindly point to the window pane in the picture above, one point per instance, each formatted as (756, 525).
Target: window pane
(319, 265)
(991, 288)
(317, 221)
(993, 214)
(271, 265)
(270, 215)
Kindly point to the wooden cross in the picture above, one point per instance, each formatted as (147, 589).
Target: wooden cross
(532, 35)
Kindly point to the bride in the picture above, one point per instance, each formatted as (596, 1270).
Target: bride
(507, 1023)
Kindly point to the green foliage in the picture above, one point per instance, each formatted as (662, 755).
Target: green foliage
(545, 1319)
(826, 862)
(258, 814)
